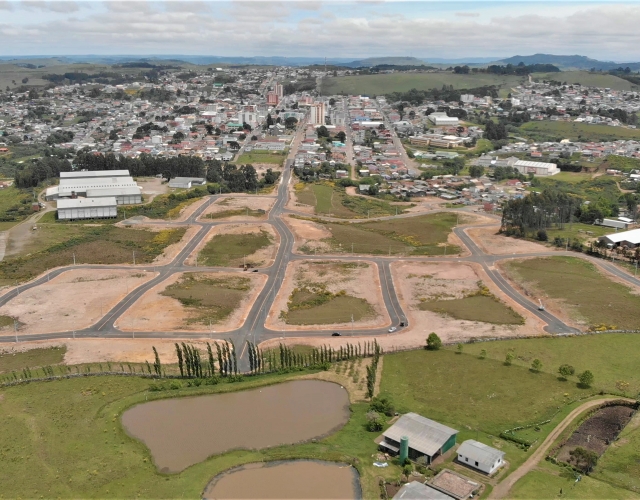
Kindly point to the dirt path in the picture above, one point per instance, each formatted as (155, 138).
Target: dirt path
(502, 490)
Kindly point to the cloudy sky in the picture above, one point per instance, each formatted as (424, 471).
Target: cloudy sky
(353, 29)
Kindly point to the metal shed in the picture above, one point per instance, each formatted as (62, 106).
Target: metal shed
(426, 437)
(87, 208)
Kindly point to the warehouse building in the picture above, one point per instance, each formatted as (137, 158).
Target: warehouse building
(480, 456)
(536, 168)
(630, 239)
(441, 119)
(186, 182)
(426, 438)
(87, 208)
(97, 184)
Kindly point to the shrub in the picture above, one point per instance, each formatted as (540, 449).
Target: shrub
(542, 235)
(374, 422)
(509, 358)
(433, 342)
(586, 378)
(566, 371)
(382, 405)
(536, 365)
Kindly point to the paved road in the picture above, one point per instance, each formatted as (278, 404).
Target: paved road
(253, 328)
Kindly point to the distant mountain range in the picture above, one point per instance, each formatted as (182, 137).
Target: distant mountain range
(568, 62)
(565, 62)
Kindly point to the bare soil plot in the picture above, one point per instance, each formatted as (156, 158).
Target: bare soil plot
(308, 235)
(422, 286)
(596, 433)
(200, 302)
(233, 245)
(79, 351)
(152, 187)
(492, 243)
(238, 208)
(74, 300)
(326, 294)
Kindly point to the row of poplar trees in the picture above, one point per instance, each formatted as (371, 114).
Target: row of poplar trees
(223, 361)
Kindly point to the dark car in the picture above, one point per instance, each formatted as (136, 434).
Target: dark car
(403, 323)
(255, 270)
(335, 334)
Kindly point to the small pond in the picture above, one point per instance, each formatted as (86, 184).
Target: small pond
(295, 479)
(180, 432)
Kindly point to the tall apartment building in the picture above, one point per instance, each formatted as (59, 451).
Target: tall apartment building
(279, 90)
(316, 113)
(272, 99)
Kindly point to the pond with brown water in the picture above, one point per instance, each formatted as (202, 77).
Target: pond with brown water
(295, 479)
(180, 432)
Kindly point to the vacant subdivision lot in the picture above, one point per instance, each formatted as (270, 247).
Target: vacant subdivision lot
(74, 300)
(453, 300)
(429, 234)
(233, 245)
(246, 208)
(574, 288)
(328, 200)
(329, 294)
(195, 302)
(89, 245)
(492, 243)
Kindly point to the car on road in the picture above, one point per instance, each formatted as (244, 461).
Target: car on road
(392, 329)
(336, 334)
(404, 323)
(256, 270)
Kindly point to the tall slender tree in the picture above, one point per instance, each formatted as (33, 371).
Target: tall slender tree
(180, 359)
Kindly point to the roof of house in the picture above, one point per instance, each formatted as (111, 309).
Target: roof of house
(536, 164)
(418, 491)
(87, 202)
(425, 435)
(480, 452)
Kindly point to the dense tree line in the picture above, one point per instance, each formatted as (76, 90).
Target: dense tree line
(46, 168)
(144, 165)
(520, 69)
(59, 136)
(446, 93)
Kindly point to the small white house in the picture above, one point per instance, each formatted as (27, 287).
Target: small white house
(480, 456)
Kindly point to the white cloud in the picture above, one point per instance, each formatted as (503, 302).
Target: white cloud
(284, 28)
(63, 7)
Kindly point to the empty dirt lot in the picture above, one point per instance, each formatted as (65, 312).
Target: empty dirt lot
(74, 300)
(160, 313)
(239, 208)
(357, 279)
(492, 243)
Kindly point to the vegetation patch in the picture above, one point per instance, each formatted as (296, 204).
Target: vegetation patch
(313, 304)
(421, 235)
(210, 299)
(241, 211)
(167, 205)
(15, 204)
(578, 132)
(91, 245)
(254, 157)
(590, 296)
(33, 358)
(6, 321)
(477, 307)
(232, 249)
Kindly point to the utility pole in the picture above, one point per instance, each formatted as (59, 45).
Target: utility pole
(636, 273)
(74, 258)
(445, 249)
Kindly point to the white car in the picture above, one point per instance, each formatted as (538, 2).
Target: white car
(392, 329)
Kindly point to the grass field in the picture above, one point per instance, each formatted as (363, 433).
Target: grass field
(253, 157)
(15, 205)
(546, 481)
(231, 249)
(247, 212)
(577, 132)
(586, 78)
(329, 200)
(166, 206)
(587, 294)
(90, 245)
(420, 235)
(475, 308)
(611, 357)
(213, 299)
(402, 82)
(33, 358)
(577, 231)
(339, 309)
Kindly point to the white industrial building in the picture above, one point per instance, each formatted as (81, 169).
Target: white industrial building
(630, 239)
(186, 182)
(536, 168)
(480, 456)
(87, 208)
(441, 119)
(97, 184)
